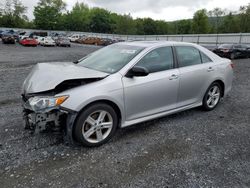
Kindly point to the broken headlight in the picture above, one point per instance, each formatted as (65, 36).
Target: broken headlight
(42, 103)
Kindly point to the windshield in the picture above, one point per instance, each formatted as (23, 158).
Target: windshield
(111, 59)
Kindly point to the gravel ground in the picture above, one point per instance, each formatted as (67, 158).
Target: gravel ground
(188, 149)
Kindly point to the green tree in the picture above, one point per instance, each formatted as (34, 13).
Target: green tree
(146, 26)
(100, 20)
(47, 13)
(19, 13)
(200, 22)
(230, 24)
(217, 14)
(162, 27)
(184, 27)
(244, 18)
(149, 26)
(123, 24)
(78, 18)
(13, 14)
(139, 26)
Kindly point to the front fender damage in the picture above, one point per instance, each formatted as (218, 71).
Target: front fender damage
(58, 119)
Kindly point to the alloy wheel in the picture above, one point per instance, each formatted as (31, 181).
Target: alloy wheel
(213, 96)
(97, 126)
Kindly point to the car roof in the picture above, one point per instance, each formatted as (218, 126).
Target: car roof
(148, 44)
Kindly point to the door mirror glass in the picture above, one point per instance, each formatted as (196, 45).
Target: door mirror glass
(138, 72)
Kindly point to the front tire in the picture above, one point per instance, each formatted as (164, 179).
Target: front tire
(212, 97)
(96, 125)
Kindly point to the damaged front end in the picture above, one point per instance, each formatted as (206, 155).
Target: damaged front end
(41, 95)
(42, 110)
(44, 113)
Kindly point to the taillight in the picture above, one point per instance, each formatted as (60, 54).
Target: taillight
(225, 50)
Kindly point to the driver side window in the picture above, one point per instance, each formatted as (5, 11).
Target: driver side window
(158, 60)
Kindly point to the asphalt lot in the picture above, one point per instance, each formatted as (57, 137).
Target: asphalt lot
(188, 149)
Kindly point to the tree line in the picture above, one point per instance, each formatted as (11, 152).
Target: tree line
(52, 15)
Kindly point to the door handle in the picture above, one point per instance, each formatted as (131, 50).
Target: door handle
(173, 77)
(210, 69)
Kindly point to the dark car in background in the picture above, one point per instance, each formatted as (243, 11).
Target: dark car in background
(233, 51)
(106, 41)
(1, 33)
(9, 32)
(116, 40)
(8, 38)
(62, 42)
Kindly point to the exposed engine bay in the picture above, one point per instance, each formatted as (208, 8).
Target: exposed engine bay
(39, 122)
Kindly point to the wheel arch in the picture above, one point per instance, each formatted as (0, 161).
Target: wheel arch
(108, 102)
(222, 84)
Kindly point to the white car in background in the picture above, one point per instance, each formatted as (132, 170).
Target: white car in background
(38, 39)
(21, 37)
(75, 37)
(47, 41)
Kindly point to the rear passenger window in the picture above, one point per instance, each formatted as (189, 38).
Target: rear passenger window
(204, 58)
(157, 60)
(188, 56)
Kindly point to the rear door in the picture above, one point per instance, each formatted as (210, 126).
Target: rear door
(196, 71)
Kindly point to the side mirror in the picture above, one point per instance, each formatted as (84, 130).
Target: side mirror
(138, 72)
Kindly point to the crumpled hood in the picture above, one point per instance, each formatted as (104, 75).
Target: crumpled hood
(46, 76)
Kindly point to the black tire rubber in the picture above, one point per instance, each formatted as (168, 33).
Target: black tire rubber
(82, 117)
(204, 102)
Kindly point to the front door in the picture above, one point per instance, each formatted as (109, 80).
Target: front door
(156, 92)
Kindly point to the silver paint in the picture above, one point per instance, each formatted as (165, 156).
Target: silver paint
(139, 98)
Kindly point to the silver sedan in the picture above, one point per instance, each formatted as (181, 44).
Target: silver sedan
(121, 85)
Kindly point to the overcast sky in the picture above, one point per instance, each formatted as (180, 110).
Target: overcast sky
(168, 10)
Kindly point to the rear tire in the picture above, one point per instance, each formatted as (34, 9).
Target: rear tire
(95, 125)
(212, 97)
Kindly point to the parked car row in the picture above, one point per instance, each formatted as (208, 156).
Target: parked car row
(83, 39)
(34, 38)
(44, 41)
(231, 51)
